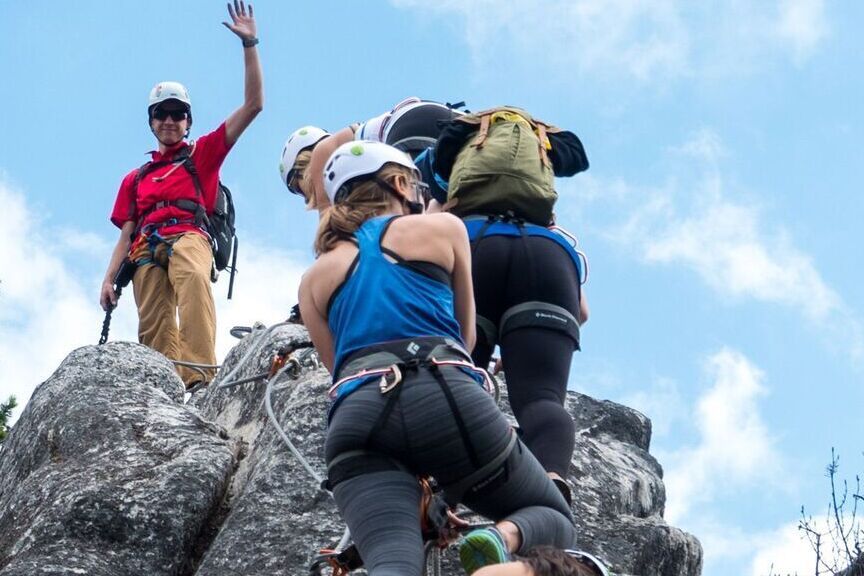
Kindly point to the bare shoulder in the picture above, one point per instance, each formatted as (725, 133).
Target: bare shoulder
(449, 225)
(440, 223)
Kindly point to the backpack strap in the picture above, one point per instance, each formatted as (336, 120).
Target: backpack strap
(197, 208)
(544, 141)
(189, 165)
(483, 132)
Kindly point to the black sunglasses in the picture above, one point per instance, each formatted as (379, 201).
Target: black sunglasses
(176, 115)
(423, 192)
(293, 180)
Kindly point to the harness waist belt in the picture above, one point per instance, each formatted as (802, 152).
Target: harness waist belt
(388, 353)
(384, 360)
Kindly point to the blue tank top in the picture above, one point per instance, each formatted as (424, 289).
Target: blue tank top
(381, 301)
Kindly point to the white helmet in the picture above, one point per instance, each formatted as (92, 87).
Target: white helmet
(415, 126)
(169, 91)
(359, 158)
(589, 560)
(300, 140)
(375, 128)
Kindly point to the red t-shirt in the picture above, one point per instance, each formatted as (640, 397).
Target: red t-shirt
(208, 153)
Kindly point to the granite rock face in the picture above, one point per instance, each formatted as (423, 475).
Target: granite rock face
(619, 497)
(107, 472)
(279, 516)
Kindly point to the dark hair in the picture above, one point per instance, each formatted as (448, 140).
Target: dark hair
(548, 561)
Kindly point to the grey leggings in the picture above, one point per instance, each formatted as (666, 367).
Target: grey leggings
(381, 506)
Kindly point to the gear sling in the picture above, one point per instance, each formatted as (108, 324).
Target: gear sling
(219, 225)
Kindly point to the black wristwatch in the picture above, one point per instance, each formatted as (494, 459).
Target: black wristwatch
(249, 42)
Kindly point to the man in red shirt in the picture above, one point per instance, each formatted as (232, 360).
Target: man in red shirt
(172, 251)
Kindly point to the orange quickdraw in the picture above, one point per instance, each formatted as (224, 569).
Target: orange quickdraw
(278, 362)
(281, 359)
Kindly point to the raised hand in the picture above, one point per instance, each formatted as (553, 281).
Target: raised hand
(242, 22)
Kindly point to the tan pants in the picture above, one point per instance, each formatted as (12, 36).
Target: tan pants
(182, 292)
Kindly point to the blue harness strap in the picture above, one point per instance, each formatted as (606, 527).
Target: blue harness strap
(481, 226)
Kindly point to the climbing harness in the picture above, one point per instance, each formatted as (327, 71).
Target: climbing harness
(218, 226)
(574, 242)
(440, 525)
(530, 313)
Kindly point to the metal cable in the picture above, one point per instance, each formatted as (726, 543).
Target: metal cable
(268, 404)
(253, 348)
(199, 368)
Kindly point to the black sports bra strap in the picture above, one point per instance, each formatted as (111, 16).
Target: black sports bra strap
(344, 280)
(392, 254)
(429, 269)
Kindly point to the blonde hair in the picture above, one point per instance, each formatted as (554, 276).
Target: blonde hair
(366, 200)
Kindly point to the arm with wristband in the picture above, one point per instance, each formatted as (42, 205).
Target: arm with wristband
(243, 25)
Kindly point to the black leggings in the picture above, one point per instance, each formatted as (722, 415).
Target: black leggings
(512, 270)
(380, 505)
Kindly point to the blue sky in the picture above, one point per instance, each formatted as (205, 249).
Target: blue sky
(720, 214)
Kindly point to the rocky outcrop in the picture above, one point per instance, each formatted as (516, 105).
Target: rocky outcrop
(108, 472)
(279, 516)
(619, 497)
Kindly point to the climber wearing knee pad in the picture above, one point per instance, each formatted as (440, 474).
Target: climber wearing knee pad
(534, 316)
(389, 306)
(527, 277)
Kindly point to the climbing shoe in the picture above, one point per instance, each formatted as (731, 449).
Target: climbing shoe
(481, 548)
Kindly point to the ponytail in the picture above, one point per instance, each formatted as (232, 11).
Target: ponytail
(366, 200)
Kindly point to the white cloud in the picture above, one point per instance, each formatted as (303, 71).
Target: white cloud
(705, 145)
(726, 242)
(802, 24)
(723, 242)
(265, 289)
(788, 550)
(662, 402)
(783, 551)
(734, 448)
(641, 39)
(47, 308)
(45, 311)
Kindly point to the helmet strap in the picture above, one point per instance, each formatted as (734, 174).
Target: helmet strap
(410, 207)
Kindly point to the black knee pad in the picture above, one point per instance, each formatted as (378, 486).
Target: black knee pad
(540, 315)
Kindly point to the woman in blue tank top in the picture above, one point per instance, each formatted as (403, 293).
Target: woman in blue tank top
(389, 306)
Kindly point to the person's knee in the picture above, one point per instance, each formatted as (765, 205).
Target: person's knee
(544, 413)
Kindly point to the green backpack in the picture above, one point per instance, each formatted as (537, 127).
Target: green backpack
(504, 168)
